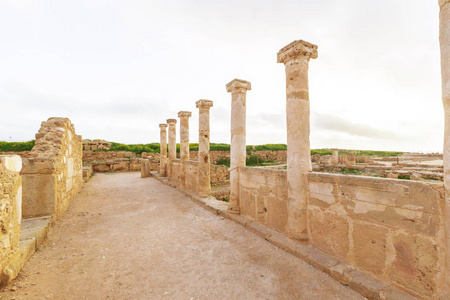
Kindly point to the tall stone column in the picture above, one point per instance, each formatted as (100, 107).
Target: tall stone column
(444, 37)
(163, 149)
(204, 184)
(172, 144)
(238, 89)
(184, 144)
(295, 57)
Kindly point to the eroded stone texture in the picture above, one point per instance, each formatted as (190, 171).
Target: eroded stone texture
(184, 144)
(203, 184)
(238, 89)
(295, 57)
(392, 229)
(444, 37)
(163, 149)
(10, 215)
(172, 145)
(145, 168)
(53, 174)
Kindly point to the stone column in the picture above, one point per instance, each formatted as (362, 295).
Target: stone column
(172, 144)
(163, 149)
(238, 89)
(444, 37)
(335, 157)
(184, 144)
(204, 184)
(295, 57)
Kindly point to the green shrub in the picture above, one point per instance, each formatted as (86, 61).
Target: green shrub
(16, 146)
(223, 161)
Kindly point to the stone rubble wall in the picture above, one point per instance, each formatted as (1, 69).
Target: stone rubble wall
(96, 145)
(391, 229)
(52, 175)
(10, 215)
(215, 156)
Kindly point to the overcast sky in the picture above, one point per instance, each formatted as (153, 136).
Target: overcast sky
(118, 68)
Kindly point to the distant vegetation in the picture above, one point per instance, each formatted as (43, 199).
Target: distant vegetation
(16, 146)
(154, 148)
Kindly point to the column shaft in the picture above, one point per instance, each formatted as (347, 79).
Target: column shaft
(444, 32)
(238, 89)
(172, 145)
(163, 149)
(204, 181)
(296, 58)
(184, 144)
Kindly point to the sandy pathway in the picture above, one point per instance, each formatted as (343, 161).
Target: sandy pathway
(126, 237)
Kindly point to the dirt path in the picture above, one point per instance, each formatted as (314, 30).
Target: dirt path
(126, 237)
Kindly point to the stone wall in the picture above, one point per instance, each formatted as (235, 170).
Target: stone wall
(52, 175)
(175, 166)
(263, 196)
(265, 155)
(219, 174)
(191, 171)
(96, 145)
(10, 215)
(392, 229)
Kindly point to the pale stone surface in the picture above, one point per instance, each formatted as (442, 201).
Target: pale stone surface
(335, 157)
(204, 185)
(238, 89)
(145, 168)
(172, 145)
(163, 149)
(184, 144)
(444, 39)
(11, 163)
(295, 57)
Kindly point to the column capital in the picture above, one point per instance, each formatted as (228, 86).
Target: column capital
(238, 85)
(162, 125)
(297, 49)
(171, 121)
(184, 114)
(202, 103)
(442, 3)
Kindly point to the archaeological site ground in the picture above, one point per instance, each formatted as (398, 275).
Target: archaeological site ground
(172, 220)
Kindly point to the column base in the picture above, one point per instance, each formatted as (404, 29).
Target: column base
(233, 209)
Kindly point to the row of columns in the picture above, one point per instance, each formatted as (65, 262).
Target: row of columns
(295, 57)
(165, 168)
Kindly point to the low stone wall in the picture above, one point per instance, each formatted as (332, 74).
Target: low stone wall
(393, 229)
(263, 196)
(52, 175)
(219, 175)
(96, 145)
(118, 165)
(215, 156)
(10, 216)
(89, 156)
(191, 171)
(175, 166)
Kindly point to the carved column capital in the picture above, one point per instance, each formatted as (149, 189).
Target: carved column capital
(202, 103)
(238, 86)
(297, 49)
(171, 121)
(184, 114)
(442, 3)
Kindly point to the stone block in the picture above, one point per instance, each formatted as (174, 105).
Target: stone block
(11, 163)
(39, 195)
(247, 203)
(101, 167)
(415, 263)
(370, 246)
(329, 230)
(145, 168)
(277, 213)
(39, 166)
(121, 166)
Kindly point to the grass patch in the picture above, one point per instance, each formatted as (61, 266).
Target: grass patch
(16, 146)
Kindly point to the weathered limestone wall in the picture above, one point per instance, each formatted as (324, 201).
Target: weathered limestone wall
(219, 175)
(10, 215)
(393, 229)
(120, 165)
(280, 156)
(191, 175)
(89, 156)
(175, 171)
(96, 145)
(52, 176)
(263, 196)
